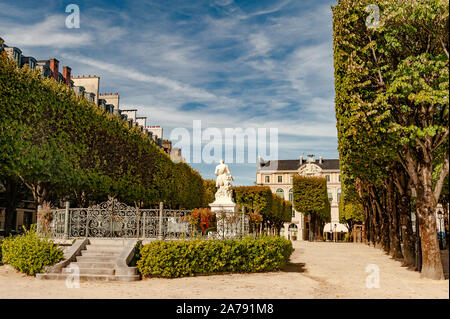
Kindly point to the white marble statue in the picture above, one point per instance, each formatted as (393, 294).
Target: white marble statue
(223, 181)
(222, 172)
(224, 204)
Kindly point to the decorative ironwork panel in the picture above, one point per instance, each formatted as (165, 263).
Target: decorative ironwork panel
(247, 224)
(112, 219)
(58, 223)
(149, 222)
(176, 224)
(78, 222)
(232, 225)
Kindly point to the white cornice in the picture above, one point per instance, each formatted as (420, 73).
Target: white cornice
(294, 171)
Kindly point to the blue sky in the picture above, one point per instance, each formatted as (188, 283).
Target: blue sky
(228, 63)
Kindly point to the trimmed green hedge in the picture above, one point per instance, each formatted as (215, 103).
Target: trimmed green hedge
(260, 199)
(70, 148)
(311, 196)
(30, 253)
(172, 259)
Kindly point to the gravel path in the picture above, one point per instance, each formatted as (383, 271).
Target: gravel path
(318, 270)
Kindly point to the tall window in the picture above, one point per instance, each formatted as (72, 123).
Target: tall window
(280, 178)
(339, 177)
(280, 193)
(267, 178)
(328, 177)
(291, 195)
(339, 195)
(291, 179)
(330, 196)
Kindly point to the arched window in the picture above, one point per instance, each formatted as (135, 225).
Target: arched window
(291, 195)
(280, 192)
(339, 195)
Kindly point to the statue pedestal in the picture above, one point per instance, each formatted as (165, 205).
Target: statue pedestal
(227, 218)
(228, 207)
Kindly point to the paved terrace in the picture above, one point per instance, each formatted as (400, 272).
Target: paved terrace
(318, 270)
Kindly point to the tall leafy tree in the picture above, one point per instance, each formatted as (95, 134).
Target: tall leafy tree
(311, 199)
(393, 76)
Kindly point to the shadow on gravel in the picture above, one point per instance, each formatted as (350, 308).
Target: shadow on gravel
(294, 267)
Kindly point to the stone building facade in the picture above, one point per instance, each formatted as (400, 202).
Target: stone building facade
(279, 175)
(112, 99)
(90, 85)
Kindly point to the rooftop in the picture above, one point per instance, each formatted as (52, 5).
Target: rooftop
(84, 77)
(293, 165)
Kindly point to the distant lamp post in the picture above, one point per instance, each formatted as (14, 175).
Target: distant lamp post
(335, 233)
(440, 217)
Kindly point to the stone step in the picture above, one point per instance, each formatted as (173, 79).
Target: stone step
(88, 264)
(108, 242)
(96, 258)
(52, 276)
(104, 248)
(90, 271)
(99, 253)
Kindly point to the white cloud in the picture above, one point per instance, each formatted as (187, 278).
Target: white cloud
(167, 115)
(50, 32)
(310, 69)
(270, 10)
(261, 44)
(223, 3)
(142, 77)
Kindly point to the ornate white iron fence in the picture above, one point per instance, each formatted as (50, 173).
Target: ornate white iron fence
(114, 219)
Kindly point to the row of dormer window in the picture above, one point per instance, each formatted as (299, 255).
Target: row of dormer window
(291, 178)
(280, 193)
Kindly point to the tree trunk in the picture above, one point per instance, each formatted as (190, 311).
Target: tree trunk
(309, 227)
(426, 206)
(431, 254)
(367, 223)
(395, 249)
(402, 182)
(376, 223)
(384, 217)
(408, 238)
(373, 228)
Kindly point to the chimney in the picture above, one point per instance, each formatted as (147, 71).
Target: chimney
(320, 160)
(67, 74)
(301, 160)
(54, 67)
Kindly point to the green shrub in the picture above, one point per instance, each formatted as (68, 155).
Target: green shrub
(30, 253)
(260, 199)
(186, 258)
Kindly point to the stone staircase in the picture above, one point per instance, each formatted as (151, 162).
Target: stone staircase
(98, 262)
